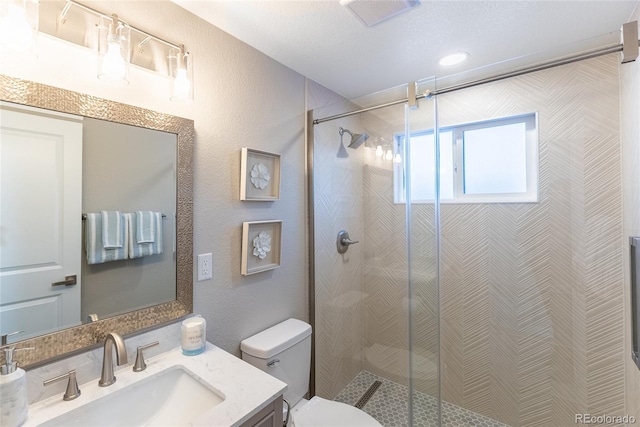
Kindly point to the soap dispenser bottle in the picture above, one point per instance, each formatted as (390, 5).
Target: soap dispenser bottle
(13, 391)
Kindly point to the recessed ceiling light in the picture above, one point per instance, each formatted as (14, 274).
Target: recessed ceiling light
(453, 59)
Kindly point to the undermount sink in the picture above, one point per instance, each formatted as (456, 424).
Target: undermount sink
(171, 397)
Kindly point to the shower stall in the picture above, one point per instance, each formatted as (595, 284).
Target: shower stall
(485, 283)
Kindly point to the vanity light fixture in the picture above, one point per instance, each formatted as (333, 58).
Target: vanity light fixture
(397, 159)
(384, 152)
(388, 155)
(379, 152)
(180, 69)
(19, 24)
(119, 44)
(453, 59)
(113, 50)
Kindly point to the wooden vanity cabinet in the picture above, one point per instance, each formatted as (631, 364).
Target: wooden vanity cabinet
(269, 416)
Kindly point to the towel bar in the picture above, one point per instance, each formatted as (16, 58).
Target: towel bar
(84, 216)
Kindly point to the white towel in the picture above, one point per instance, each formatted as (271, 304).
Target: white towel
(96, 252)
(137, 250)
(112, 229)
(146, 231)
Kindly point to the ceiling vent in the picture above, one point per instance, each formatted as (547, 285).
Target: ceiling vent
(372, 12)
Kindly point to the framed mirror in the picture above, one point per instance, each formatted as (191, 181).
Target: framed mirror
(132, 160)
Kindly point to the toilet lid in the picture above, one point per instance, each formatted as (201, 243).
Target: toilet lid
(321, 412)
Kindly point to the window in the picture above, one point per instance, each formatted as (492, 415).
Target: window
(494, 161)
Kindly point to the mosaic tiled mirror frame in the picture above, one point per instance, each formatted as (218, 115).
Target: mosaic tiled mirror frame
(76, 339)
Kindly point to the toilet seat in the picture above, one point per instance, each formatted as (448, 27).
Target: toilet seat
(319, 412)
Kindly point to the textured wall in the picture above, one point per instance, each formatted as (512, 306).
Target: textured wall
(630, 137)
(338, 204)
(242, 98)
(385, 273)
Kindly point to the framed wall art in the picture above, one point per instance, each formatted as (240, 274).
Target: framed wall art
(259, 175)
(261, 246)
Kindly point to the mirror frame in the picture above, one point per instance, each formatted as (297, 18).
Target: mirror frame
(79, 338)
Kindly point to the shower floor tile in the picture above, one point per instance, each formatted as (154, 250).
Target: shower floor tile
(389, 406)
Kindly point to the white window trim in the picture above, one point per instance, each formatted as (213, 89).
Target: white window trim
(533, 158)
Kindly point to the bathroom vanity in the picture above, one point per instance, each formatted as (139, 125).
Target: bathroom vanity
(214, 388)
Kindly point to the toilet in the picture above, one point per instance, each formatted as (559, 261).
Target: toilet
(284, 351)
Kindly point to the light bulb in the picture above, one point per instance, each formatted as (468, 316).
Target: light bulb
(388, 155)
(379, 151)
(113, 47)
(398, 158)
(113, 65)
(180, 69)
(15, 31)
(181, 85)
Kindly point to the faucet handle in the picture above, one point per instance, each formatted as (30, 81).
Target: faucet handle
(140, 364)
(73, 390)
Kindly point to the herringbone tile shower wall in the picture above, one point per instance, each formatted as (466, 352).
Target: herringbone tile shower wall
(630, 136)
(532, 294)
(338, 202)
(533, 301)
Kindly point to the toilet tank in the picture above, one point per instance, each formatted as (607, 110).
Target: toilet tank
(284, 351)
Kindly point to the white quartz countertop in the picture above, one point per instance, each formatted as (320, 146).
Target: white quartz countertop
(245, 388)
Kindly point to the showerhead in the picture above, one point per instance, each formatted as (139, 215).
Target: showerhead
(356, 138)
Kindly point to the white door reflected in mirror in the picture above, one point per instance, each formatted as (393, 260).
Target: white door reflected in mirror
(40, 203)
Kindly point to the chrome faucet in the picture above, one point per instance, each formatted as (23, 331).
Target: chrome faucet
(112, 339)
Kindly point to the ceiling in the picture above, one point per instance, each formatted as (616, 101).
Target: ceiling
(323, 40)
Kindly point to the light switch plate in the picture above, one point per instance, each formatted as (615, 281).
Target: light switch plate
(204, 267)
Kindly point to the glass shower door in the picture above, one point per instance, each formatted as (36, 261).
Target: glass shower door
(363, 298)
(418, 178)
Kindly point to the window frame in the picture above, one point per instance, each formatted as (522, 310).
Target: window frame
(459, 197)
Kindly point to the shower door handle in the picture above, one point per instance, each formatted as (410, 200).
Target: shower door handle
(634, 249)
(344, 241)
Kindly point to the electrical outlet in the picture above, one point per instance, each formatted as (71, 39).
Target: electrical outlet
(204, 266)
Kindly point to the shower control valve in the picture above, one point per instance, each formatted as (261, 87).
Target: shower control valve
(343, 241)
